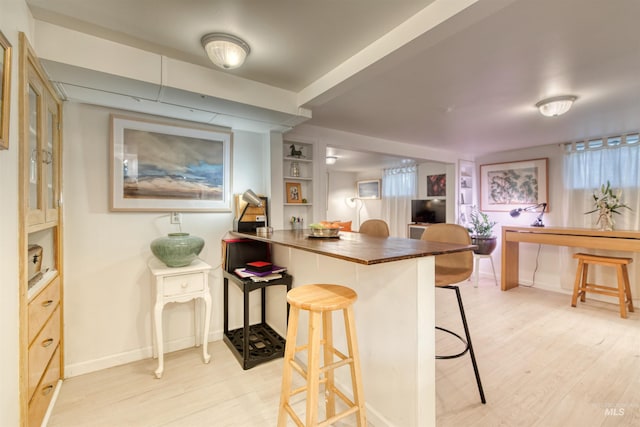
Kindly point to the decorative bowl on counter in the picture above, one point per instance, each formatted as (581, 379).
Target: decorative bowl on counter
(324, 229)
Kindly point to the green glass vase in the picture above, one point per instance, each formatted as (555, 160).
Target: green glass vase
(177, 249)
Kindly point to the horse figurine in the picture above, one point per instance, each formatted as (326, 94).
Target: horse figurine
(294, 152)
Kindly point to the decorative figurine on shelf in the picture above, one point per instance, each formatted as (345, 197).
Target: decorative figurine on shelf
(296, 153)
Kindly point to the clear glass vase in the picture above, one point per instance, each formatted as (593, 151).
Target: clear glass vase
(295, 169)
(605, 220)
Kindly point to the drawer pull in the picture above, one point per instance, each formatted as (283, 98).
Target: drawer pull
(47, 342)
(184, 285)
(47, 303)
(47, 389)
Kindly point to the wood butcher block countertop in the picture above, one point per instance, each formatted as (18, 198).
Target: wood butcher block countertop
(356, 247)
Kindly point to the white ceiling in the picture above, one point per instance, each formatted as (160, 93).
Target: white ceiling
(469, 84)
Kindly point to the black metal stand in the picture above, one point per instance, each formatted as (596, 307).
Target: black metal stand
(258, 343)
(467, 342)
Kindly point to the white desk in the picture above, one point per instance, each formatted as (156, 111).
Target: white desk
(180, 284)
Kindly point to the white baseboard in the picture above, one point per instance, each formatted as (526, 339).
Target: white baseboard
(73, 370)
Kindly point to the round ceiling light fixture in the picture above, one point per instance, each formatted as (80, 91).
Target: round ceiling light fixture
(224, 50)
(331, 160)
(556, 106)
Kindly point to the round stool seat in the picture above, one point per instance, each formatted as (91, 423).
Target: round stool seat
(321, 297)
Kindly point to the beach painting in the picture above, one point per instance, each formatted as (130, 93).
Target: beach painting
(158, 166)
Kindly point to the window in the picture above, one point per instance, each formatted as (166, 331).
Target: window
(590, 164)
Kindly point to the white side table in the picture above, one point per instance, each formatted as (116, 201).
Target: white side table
(476, 267)
(180, 284)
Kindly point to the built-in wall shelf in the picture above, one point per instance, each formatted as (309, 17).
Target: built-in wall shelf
(297, 159)
(297, 176)
(466, 190)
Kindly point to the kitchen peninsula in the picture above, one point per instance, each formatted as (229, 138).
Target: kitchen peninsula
(395, 312)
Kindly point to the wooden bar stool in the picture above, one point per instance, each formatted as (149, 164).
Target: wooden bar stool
(581, 287)
(321, 301)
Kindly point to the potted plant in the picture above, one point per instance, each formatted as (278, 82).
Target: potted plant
(481, 230)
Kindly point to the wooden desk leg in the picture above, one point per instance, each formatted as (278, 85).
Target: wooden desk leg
(627, 287)
(510, 264)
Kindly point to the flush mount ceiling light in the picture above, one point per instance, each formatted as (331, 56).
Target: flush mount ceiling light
(225, 50)
(331, 160)
(556, 106)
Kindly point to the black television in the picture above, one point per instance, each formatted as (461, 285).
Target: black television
(428, 211)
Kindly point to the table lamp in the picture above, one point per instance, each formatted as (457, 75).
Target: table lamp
(538, 222)
(253, 199)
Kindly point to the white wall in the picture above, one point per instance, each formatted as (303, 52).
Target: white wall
(14, 17)
(341, 187)
(368, 208)
(436, 168)
(108, 290)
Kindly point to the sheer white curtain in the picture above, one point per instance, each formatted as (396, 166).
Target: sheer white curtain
(588, 165)
(399, 187)
(586, 169)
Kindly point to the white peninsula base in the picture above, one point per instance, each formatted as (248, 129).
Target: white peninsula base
(395, 324)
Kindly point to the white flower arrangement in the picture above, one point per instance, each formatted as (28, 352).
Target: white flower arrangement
(607, 202)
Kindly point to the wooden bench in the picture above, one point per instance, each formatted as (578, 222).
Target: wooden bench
(581, 286)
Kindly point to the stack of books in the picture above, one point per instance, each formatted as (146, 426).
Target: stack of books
(260, 271)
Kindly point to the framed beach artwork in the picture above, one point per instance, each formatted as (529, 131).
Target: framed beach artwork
(369, 189)
(507, 186)
(5, 90)
(163, 166)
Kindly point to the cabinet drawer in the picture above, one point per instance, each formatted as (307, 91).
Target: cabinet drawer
(42, 349)
(41, 307)
(184, 284)
(42, 397)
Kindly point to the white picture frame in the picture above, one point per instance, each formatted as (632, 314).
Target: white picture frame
(168, 166)
(368, 189)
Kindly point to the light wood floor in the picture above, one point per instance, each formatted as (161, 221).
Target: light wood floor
(542, 363)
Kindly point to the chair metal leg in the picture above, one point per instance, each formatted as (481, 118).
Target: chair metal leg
(469, 345)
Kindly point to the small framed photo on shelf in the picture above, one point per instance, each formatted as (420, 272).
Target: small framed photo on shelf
(465, 182)
(369, 189)
(294, 192)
